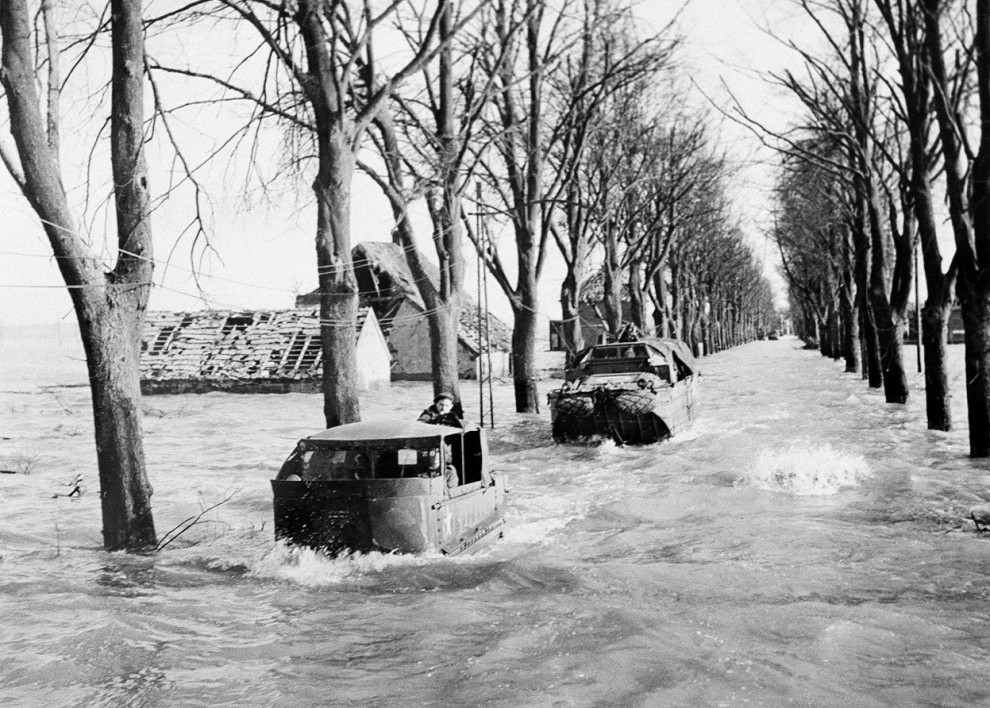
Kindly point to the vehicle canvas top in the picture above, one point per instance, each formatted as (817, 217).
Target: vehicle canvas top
(675, 346)
(641, 355)
(380, 433)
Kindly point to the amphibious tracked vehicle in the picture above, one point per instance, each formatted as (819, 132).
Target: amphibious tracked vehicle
(634, 392)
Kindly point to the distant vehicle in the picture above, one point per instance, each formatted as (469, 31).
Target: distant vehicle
(397, 486)
(774, 334)
(633, 392)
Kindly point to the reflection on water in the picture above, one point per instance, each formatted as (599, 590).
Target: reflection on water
(803, 543)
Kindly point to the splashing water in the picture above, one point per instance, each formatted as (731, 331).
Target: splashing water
(313, 568)
(806, 470)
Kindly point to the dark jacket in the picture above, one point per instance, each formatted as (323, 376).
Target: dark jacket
(433, 416)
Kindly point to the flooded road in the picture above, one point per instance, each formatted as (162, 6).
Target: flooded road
(804, 543)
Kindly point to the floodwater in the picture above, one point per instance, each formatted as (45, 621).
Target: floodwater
(803, 544)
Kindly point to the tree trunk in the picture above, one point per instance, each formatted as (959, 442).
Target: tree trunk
(338, 287)
(693, 320)
(873, 369)
(935, 314)
(824, 335)
(677, 301)
(888, 320)
(637, 303)
(447, 227)
(109, 306)
(972, 237)
(686, 319)
(443, 350)
(336, 137)
(445, 329)
(861, 100)
(871, 343)
(889, 332)
(974, 298)
(934, 330)
(444, 335)
(976, 304)
(850, 312)
(907, 32)
(612, 283)
(891, 338)
(444, 315)
(705, 333)
(526, 308)
(834, 337)
(111, 336)
(576, 260)
(523, 361)
(570, 305)
(661, 315)
(125, 490)
(442, 322)
(726, 328)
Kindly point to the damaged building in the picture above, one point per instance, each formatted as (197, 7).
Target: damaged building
(387, 287)
(250, 352)
(280, 351)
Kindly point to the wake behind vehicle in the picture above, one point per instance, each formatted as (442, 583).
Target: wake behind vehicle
(405, 487)
(639, 392)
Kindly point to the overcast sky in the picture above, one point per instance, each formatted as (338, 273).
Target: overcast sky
(265, 254)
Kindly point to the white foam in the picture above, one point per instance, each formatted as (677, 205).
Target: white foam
(806, 470)
(305, 566)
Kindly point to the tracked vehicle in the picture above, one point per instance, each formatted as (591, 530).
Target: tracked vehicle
(635, 392)
(393, 487)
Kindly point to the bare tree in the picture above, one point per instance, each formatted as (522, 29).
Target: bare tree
(608, 62)
(685, 193)
(715, 279)
(437, 116)
(811, 230)
(532, 37)
(836, 94)
(654, 180)
(967, 177)
(841, 97)
(319, 76)
(109, 305)
(905, 30)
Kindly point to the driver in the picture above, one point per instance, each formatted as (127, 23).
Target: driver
(442, 412)
(433, 467)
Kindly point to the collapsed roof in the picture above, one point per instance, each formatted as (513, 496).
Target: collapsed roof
(384, 281)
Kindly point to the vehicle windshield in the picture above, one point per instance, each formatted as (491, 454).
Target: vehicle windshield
(410, 458)
(618, 351)
(329, 465)
(614, 358)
